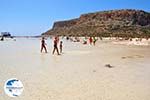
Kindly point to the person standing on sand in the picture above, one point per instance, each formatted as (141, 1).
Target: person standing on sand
(60, 46)
(43, 45)
(55, 46)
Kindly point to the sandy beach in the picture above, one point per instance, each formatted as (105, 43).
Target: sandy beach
(79, 73)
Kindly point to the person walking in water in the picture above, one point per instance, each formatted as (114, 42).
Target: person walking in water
(55, 46)
(94, 40)
(60, 46)
(43, 45)
(90, 40)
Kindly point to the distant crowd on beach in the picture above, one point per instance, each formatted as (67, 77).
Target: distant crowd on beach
(58, 45)
(2, 38)
(84, 40)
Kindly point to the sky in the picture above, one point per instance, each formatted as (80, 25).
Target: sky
(33, 17)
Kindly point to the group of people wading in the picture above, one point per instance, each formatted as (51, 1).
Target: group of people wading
(92, 40)
(56, 41)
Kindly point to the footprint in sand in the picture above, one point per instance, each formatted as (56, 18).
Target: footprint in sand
(94, 71)
(139, 56)
(134, 56)
(123, 57)
(78, 52)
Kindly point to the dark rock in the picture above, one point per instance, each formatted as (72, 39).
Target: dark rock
(109, 66)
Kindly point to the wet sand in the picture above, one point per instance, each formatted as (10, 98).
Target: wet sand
(80, 73)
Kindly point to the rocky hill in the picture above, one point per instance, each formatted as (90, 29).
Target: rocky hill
(127, 22)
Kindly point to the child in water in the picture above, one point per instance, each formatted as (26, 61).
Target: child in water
(60, 46)
(43, 45)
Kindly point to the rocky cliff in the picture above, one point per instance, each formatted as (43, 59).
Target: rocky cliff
(128, 22)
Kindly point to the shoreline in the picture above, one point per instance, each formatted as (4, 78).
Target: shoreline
(114, 40)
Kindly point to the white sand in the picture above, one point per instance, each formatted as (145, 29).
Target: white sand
(79, 73)
(144, 42)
